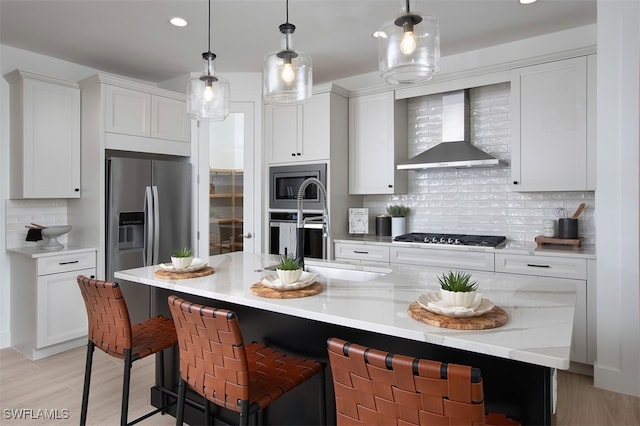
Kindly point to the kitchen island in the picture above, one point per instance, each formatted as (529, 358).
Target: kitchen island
(518, 360)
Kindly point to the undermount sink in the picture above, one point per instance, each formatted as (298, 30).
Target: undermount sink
(347, 272)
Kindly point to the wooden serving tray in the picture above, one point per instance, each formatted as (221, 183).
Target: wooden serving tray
(541, 240)
(171, 275)
(262, 290)
(496, 317)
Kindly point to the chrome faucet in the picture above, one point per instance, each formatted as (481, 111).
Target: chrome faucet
(301, 221)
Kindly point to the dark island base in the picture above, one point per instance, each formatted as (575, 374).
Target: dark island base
(520, 390)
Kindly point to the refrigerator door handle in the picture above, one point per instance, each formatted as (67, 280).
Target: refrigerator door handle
(148, 229)
(156, 224)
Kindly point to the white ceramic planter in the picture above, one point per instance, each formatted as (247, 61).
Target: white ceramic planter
(458, 298)
(181, 262)
(397, 226)
(288, 277)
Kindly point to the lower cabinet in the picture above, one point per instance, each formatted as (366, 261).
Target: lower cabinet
(48, 314)
(550, 268)
(361, 253)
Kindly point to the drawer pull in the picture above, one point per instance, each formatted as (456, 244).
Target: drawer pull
(69, 262)
(360, 252)
(533, 265)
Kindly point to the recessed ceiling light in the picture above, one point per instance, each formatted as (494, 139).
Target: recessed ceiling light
(379, 34)
(527, 1)
(178, 22)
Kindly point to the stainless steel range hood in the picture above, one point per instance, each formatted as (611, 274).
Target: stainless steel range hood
(455, 150)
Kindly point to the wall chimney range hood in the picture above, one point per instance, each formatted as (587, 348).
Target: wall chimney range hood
(455, 150)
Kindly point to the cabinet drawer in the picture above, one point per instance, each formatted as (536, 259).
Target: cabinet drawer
(369, 253)
(443, 258)
(66, 263)
(544, 266)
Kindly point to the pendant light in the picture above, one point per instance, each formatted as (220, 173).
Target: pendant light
(287, 76)
(409, 48)
(207, 94)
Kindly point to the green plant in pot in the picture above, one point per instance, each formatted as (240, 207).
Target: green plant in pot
(457, 288)
(397, 210)
(288, 269)
(398, 214)
(182, 258)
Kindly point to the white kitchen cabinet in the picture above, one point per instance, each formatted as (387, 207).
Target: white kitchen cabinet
(123, 115)
(553, 144)
(51, 317)
(361, 253)
(549, 268)
(377, 142)
(435, 257)
(301, 132)
(45, 136)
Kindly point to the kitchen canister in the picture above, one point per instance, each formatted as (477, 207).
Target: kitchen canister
(549, 228)
(383, 225)
(568, 228)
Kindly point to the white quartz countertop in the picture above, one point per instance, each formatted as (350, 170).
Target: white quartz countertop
(538, 331)
(36, 251)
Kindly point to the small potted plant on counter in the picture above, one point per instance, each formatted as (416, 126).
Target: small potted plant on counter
(182, 258)
(457, 289)
(289, 269)
(397, 213)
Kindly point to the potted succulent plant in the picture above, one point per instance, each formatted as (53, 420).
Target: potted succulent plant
(397, 213)
(288, 269)
(182, 258)
(457, 289)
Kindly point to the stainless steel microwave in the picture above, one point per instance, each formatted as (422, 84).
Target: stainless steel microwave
(285, 181)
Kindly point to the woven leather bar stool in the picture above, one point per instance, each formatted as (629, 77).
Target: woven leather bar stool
(111, 331)
(217, 365)
(373, 387)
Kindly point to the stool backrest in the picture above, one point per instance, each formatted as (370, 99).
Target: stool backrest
(373, 387)
(213, 360)
(107, 314)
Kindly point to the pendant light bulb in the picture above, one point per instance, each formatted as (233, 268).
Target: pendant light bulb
(408, 43)
(288, 73)
(208, 91)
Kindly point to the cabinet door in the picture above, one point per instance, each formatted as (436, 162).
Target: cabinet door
(127, 111)
(372, 145)
(48, 141)
(362, 252)
(282, 133)
(61, 313)
(549, 149)
(316, 128)
(169, 119)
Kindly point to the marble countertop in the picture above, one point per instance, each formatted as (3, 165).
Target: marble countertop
(511, 247)
(37, 251)
(538, 332)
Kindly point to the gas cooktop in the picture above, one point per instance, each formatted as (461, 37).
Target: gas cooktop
(452, 239)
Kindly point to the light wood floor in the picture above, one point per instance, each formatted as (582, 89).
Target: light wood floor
(55, 383)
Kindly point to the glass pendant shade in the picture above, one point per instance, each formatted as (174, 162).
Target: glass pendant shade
(207, 94)
(287, 74)
(409, 48)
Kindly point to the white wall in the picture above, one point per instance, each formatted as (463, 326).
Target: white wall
(618, 193)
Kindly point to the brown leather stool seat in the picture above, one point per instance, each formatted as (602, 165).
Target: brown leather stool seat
(111, 331)
(216, 364)
(373, 387)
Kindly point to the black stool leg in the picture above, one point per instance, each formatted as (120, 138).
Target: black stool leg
(87, 380)
(323, 398)
(182, 391)
(126, 379)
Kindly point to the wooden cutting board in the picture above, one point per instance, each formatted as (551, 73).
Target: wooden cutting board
(492, 319)
(262, 290)
(171, 275)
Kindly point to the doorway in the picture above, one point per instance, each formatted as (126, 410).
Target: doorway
(226, 167)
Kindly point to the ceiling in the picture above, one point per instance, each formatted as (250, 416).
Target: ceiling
(133, 38)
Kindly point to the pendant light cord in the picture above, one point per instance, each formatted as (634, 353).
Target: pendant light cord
(209, 39)
(408, 11)
(287, 11)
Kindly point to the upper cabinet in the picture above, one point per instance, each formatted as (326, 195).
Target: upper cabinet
(45, 136)
(301, 132)
(136, 117)
(377, 141)
(553, 146)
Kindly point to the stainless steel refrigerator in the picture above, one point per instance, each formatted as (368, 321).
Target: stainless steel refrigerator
(148, 217)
